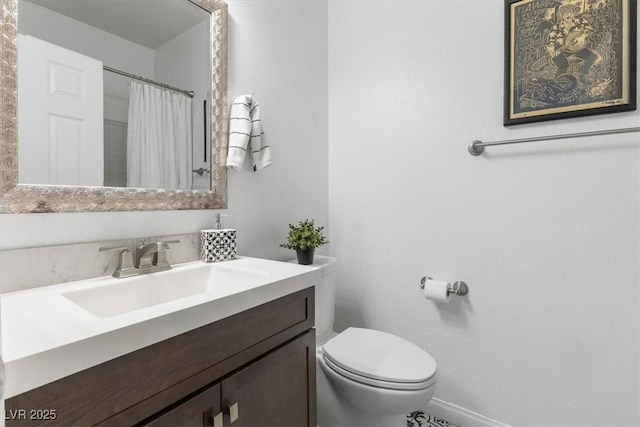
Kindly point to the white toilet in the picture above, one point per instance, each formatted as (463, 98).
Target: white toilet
(365, 377)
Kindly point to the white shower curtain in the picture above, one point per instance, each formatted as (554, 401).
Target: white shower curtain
(158, 138)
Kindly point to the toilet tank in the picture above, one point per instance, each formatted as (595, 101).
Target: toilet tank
(325, 294)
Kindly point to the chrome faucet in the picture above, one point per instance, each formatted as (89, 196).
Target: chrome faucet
(147, 258)
(152, 257)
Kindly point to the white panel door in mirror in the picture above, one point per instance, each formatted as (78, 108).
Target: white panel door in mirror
(60, 115)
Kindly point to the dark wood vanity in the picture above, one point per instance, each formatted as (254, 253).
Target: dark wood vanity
(255, 368)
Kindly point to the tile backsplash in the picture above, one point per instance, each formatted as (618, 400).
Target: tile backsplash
(41, 266)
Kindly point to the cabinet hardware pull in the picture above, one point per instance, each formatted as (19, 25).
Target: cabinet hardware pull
(233, 412)
(218, 420)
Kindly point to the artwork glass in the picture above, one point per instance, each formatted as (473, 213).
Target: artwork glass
(569, 58)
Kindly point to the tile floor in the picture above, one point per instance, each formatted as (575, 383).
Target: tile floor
(421, 419)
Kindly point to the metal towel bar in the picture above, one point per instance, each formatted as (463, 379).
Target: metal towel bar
(477, 147)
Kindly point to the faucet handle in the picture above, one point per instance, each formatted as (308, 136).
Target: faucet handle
(125, 266)
(114, 248)
(160, 257)
(144, 242)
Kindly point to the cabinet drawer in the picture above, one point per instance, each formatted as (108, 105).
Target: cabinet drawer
(168, 370)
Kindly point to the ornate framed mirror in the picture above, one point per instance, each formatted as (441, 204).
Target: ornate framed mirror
(18, 195)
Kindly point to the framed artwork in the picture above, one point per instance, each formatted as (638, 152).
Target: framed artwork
(569, 58)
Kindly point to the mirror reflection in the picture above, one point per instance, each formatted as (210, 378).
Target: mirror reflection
(114, 93)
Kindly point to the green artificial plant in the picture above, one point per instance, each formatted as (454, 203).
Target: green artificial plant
(305, 236)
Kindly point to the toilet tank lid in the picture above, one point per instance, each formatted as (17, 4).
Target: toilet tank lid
(380, 355)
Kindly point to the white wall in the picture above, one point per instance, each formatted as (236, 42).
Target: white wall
(545, 235)
(278, 52)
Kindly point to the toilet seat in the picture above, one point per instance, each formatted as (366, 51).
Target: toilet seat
(379, 359)
(378, 383)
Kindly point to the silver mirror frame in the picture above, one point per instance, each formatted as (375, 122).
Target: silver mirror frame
(22, 198)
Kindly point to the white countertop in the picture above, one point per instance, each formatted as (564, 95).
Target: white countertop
(46, 337)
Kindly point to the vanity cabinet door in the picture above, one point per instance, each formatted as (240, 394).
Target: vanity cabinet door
(276, 390)
(198, 411)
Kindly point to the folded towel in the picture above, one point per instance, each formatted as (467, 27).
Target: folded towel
(245, 133)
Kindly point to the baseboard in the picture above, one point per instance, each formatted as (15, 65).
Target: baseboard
(456, 415)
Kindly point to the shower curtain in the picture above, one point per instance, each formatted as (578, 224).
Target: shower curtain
(158, 138)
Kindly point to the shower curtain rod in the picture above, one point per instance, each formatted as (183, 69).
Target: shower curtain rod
(189, 93)
(477, 147)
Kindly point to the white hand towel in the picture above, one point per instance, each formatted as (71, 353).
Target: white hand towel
(245, 133)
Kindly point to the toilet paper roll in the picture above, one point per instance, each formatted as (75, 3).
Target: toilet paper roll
(436, 290)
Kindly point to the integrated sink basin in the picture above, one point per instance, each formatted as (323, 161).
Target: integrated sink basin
(111, 296)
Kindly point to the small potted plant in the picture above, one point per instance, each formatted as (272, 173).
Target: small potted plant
(304, 238)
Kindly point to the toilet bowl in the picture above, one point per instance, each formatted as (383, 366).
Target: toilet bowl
(379, 373)
(365, 377)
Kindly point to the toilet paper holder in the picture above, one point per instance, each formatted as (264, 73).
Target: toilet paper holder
(459, 288)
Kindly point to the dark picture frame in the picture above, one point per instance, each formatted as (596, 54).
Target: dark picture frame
(569, 58)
